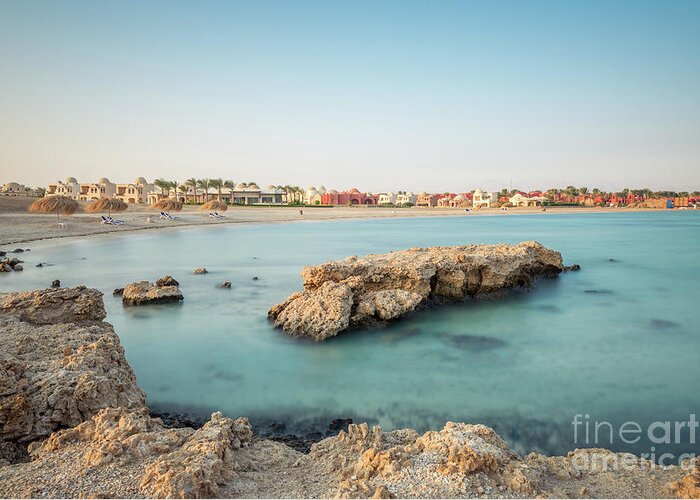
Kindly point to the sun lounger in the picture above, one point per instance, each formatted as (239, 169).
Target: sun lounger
(108, 221)
(167, 216)
(219, 215)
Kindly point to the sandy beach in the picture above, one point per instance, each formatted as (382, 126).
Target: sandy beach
(17, 225)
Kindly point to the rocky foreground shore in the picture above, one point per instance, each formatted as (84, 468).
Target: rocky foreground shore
(376, 289)
(74, 423)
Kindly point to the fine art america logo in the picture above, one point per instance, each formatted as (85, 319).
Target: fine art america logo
(589, 433)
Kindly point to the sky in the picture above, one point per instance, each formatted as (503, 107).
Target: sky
(380, 95)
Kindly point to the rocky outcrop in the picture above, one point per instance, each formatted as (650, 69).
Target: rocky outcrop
(59, 363)
(688, 486)
(359, 292)
(130, 454)
(51, 306)
(143, 292)
(469, 461)
(202, 464)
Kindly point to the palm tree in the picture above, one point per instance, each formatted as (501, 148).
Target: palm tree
(172, 186)
(205, 184)
(183, 190)
(217, 184)
(192, 182)
(583, 190)
(231, 185)
(163, 185)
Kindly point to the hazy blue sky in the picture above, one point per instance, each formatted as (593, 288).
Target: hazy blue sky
(382, 95)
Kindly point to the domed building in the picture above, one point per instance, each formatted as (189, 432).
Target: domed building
(351, 197)
(17, 189)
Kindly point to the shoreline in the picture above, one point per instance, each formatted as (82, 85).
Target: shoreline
(18, 227)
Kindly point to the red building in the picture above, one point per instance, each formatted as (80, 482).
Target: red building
(351, 197)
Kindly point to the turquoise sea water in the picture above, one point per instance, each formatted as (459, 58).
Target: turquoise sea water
(617, 341)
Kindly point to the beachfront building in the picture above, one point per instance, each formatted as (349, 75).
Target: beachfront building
(521, 199)
(17, 189)
(313, 195)
(350, 197)
(136, 192)
(252, 194)
(404, 198)
(387, 199)
(461, 201)
(446, 200)
(484, 199)
(427, 200)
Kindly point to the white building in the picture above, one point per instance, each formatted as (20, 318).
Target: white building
(484, 199)
(520, 200)
(387, 199)
(133, 193)
(405, 198)
(16, 189)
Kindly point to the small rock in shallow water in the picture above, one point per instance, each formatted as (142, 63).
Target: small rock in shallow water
(56, 284)
(40, 265)
(2, 254)
(18, 250)
(599, 291)
(143, 292)
(118, 291)
(225, 284)
(255, 278)
(18, 267)
(573, 267)
(5, 267)
(200, 270)
(167, 281)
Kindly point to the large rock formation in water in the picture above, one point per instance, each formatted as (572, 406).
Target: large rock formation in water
(359, 292)
(67, 392)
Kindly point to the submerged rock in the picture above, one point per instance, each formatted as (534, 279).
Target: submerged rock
(225, 284)
(143, 292)
(359, 292)
(56, 284)
(200, 270)
(573, 267)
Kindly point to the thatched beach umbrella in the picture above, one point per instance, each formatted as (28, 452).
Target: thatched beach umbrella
(55, 204)
(168, 205)
(217, 205)
(108, 204)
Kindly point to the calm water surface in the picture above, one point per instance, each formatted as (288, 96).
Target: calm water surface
(618, 341)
